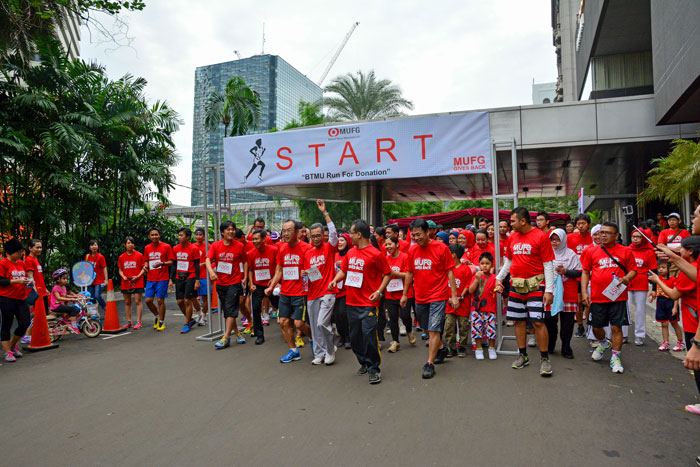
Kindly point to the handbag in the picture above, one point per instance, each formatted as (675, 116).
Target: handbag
(32, 297)
(558, 303)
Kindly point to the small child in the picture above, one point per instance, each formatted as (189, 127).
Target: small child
(458, 320)
(667, 309)
(483, 315)
(60, 301)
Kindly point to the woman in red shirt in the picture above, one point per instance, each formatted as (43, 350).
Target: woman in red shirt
(131, 271)
(13, 290)
(35, 272)
(339, 314)
(100, 264)
(645, 258)
(398, 262)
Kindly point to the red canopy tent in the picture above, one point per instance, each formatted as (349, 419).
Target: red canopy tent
(466, 216)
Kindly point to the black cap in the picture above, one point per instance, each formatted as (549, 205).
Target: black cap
(13, 246)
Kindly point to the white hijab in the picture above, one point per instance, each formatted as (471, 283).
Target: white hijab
(564, 256)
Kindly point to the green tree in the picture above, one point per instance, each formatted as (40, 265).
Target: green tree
(343, 214)
(362, 96)
(309, 114)
(674, 176)
(238, 107)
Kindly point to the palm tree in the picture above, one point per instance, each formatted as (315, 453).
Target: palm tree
(675, 175)
(363, 97)
(238, 107)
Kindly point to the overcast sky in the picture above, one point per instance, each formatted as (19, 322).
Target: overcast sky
(451, 55)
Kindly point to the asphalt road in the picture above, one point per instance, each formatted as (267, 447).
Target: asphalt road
(148, 398)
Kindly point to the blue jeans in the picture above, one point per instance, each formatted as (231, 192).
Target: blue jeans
(96, 294)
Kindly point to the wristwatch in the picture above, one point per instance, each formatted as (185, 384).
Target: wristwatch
(695, 343)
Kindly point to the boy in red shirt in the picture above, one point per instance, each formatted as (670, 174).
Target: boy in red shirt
(460, 316)
(579, 241)
(609, 267)
(158, 259)
(262, 262)
(365, 273)
(667, 309)
(185, 276)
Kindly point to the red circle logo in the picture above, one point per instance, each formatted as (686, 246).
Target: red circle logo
(333, 132)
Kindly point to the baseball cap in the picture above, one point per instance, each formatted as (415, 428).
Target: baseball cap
(432, 225)
(674, 214)
(274, 236)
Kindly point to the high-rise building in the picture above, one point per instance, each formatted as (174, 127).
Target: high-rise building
(281, 88)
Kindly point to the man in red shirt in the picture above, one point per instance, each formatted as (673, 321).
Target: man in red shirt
(258, 224)
(431, 272)
(579, 241)
(542, 220)
(392, 230)
(229, 255)
(262, 263)
(672, 236)
(319, 270)
(365, 273)
(159, 257)
(292, 304)
(609, 267)
(203, 281)
(529, 260)
(185, 276)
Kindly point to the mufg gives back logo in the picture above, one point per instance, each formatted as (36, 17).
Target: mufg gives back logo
(469, 163)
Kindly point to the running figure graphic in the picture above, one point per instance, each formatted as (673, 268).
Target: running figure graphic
(257, 151)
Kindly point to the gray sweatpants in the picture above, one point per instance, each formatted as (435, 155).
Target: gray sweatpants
(320, 312)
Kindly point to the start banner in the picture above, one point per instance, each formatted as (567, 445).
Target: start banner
(405, 148)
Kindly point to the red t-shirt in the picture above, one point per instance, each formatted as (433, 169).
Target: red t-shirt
(324, 259)
(463, 278)
(602, 268)
(99, 263)
(476, 252)
(291, 260)
(202, 257)
(340, 285)
(672, 239)
(12, 271)
(503, 244)
(185, 256)
(153, 253)
(646, 261)
(404, 246)
(689, 302)
(262, 264)
(578, 242)
(399, 264)
(228, 259)
(364, 269)
(488, 294)
(32, 264)
(131, 265)
(429, 266)
(528, 253)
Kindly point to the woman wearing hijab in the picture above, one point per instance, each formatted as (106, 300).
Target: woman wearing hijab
(467, 240)
(452, 239)
(339, 314)
(638, 288)
(568, 267)
(443, 237)
(14, 289)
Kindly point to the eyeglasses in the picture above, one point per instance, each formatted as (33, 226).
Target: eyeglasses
(317, 236)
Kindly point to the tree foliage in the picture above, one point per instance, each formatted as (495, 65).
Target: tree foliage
(309, 114)
(674, 176)
(362, 96)
(238, 107)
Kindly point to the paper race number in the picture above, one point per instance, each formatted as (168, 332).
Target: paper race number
(354, 279)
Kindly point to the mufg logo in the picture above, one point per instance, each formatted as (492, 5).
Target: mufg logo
(333, 132)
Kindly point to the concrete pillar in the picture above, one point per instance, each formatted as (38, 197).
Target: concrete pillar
(371, 202)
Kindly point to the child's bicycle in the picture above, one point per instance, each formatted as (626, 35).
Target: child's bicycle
(88, 320)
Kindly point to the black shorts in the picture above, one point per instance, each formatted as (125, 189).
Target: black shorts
(612, 313)
(132, 291)
(184, 288)
(293, 307)
(664, 310)
(229, 298)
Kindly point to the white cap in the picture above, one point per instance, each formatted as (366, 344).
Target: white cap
(674, 214)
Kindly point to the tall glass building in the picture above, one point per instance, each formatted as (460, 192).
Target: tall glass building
(281, 88)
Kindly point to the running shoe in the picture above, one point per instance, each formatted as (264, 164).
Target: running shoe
(10, 357)
(616, 364)
(424, 336)
(223, 343)
(317, 361)
(202, 321)
(600, 350)
(665, 346)
(593, 343)
(428, 370)
(362, 370)
(693, 408)
(292, 356)
(402, 330)
(580, 332)
(520, 362)
(155, 324)
(638, 341)
(192, 323)
(679, 347)
(128, 324)
(244, 321)
(461, 352)
(452, 353)
(531, 340)
(248, 328)
(239, 338)
(441, 355)
(492, 354)
(479, 354)
(394, 347)
(185, 329)
(510, 323)
(273, 314)
(138, 325)
(411, 338)
(624, 340)
(26, 340)
(347, 346)
(330, 358)
(545, 367)
(375, 378)
(161, 325)
(299, 341)
(17, 352)
(259, 340)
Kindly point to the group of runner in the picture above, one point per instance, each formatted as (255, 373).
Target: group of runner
(442, 283)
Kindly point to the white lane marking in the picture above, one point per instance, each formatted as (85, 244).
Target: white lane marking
(116, 335)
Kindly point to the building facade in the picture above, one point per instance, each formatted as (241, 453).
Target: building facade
(281, 88)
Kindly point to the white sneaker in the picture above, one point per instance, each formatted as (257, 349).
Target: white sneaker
(492, 354)
(317, 361)
(616, 365)
(531, 341)
(330, 358)
(479, 354)
(600, 350)
(402, 329)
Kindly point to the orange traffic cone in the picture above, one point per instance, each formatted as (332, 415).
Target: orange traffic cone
(40, 328)
(214, 301)
(111, 325)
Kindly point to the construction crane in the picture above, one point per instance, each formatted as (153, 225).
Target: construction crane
(337, 53)
(238, 55)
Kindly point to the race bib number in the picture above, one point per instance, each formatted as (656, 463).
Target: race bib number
(290, 273)
(395, 285)
(354, 279)
(314, 274)
(152, 264)
(262, 275)
(183, 266)
(614, 289)
(225, 268)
